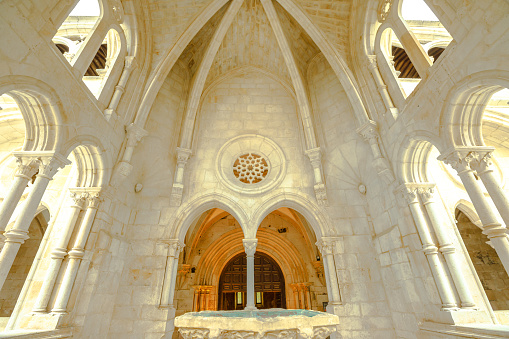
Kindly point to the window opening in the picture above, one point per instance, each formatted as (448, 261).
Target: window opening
(487, 264)
(426, 27)
(77, 27)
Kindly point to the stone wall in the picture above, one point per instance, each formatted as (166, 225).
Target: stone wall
(487, 264)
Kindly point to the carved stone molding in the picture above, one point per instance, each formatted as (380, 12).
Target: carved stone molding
(250, 246)
(464, 158)
(194, 333)
(369, 131)
(134, 135)
(177, 189)
(48, 162)
(238, 335)
(315, 157)
(326, 246)
(255, 144)
(26, 166)
(174, 247)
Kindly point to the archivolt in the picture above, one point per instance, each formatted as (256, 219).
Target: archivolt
(191, 210)
(463, 110)
(302, 203)
(230, 244)
(41, 110)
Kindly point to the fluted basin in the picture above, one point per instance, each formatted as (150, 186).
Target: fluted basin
(271, 323)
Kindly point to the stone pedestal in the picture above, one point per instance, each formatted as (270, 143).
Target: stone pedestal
(272, 323)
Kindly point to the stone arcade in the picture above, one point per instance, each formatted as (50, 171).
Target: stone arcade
(161, 157)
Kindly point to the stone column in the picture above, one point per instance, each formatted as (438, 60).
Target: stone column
(382, 88)
(250, 248)
(174, 248)
(430, 250)
(76, 254)
(48, 166)
(315, 158)
(445, 245)
(134, 134)
(129, 65)
(369, 131)
(59, 252)
(326, 247)
(496, 232)
(295, 295)
(196, 300)
(484, 167)
(26, 168)
(177, 189)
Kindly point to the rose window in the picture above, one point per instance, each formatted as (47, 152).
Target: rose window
(250, 168)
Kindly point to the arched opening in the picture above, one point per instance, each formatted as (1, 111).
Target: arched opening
(211, 270)
(488, 266)
(269, 283)
(424, 24)
(76, 28)
(21, 266)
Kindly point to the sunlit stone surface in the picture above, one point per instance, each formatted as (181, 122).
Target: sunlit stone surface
(271, 323)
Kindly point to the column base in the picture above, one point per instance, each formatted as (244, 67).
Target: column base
(42, 321)
(464, 316)
(170, 323)
(250, 308)
(450, 308)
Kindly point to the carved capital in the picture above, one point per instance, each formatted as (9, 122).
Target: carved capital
(250, 246)
(134, 135)
(78, 198)
(48, 163)
(463, 159)
(372, 62)
(408, 192)
(183, 155)
(130, 63)
(369, 131)
(88, 195)
(26, 166)
(93, 200)
(321, 194)
(315, 156)
(426, 192)
(174, 247)
(326, 246)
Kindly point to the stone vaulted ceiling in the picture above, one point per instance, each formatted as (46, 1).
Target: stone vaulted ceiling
(249, 39)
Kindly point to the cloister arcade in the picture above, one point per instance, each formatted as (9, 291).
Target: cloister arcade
(164, 157)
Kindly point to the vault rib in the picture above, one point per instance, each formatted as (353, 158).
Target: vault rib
(298, 83)
(198, 81)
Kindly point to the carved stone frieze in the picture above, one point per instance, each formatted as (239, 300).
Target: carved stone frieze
(237, 335)
(194, 333)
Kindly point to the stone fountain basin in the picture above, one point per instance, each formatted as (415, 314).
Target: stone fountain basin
(271, 323)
